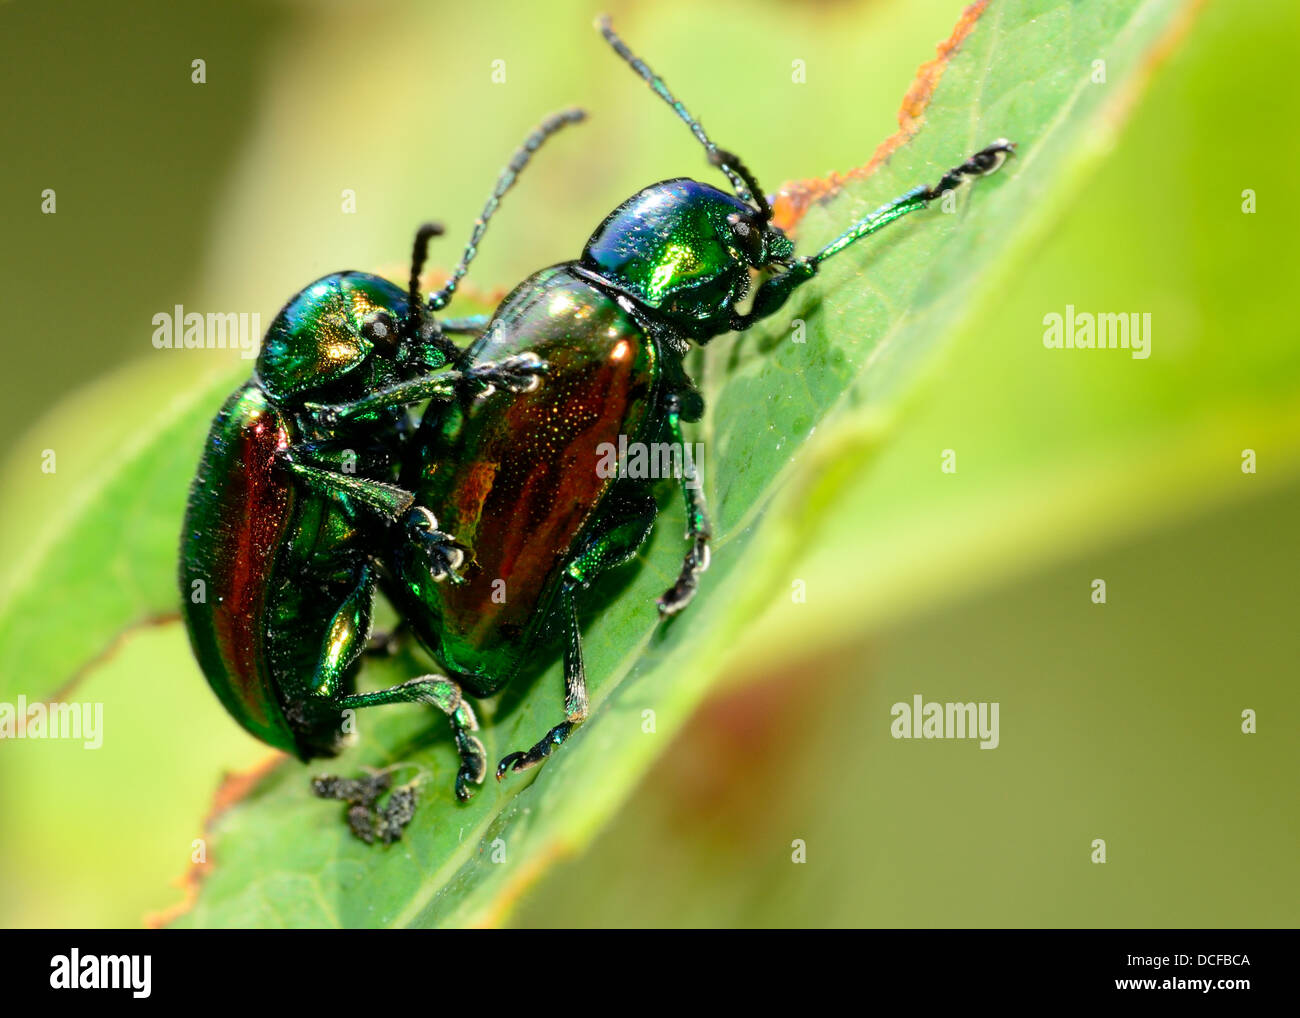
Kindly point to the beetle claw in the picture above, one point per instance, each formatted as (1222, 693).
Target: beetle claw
(680, 594)
(446, 557)
(446, 554)
(473, 764)
(509, 762)
(518, 373)
(549, 743)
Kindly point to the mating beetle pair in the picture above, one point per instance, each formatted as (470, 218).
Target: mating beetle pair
(293, 506)
(498, 484)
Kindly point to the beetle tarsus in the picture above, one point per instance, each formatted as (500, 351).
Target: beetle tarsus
(517, 373)
(679, 595)
(511, 761)
(473, 764)
(445, 554)
(987, 160)
(552, 741)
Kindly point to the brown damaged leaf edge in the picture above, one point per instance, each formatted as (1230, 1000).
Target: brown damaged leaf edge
(234, 788)
(796, 197)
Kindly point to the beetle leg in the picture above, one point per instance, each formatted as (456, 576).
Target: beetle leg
(470, 325)
(444, 553)
(774, 292)
(776, 289)
(371, 459)
(345, 637)
(576, 705)
(385, 500)
(436, 385)
(446, 695)
(632, 517)
(698, 528)
(391, 504)
(372, 822)
(518, 374)
(345, 640)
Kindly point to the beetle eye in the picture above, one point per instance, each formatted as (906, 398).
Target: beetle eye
(381, 330)
(749, 238)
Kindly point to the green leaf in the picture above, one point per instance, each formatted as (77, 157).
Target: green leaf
(873, 322)
(92, 549)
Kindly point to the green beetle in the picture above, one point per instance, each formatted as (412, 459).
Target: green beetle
(294, 497)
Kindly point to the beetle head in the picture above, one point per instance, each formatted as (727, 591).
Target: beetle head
(344, 326)
(685, 249)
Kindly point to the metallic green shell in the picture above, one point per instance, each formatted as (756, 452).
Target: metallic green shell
(239, 510)
(316, 339)
(264, 566)
(515, 477)
(674, 247)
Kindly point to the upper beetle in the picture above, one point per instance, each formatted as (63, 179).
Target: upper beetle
(520, 481)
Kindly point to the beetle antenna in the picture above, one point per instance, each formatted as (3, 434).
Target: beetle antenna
(419, 321)
(416, 313)
(723, 159)
(507, 179)
(740, 181)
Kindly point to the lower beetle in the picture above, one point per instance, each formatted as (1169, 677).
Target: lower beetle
(518, 480)
(294, 497)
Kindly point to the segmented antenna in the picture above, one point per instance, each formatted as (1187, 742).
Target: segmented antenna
(416, 313)
(742, 182)
(722, 159)
(521, 158)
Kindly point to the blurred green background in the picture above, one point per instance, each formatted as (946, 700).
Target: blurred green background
(1119, 721)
